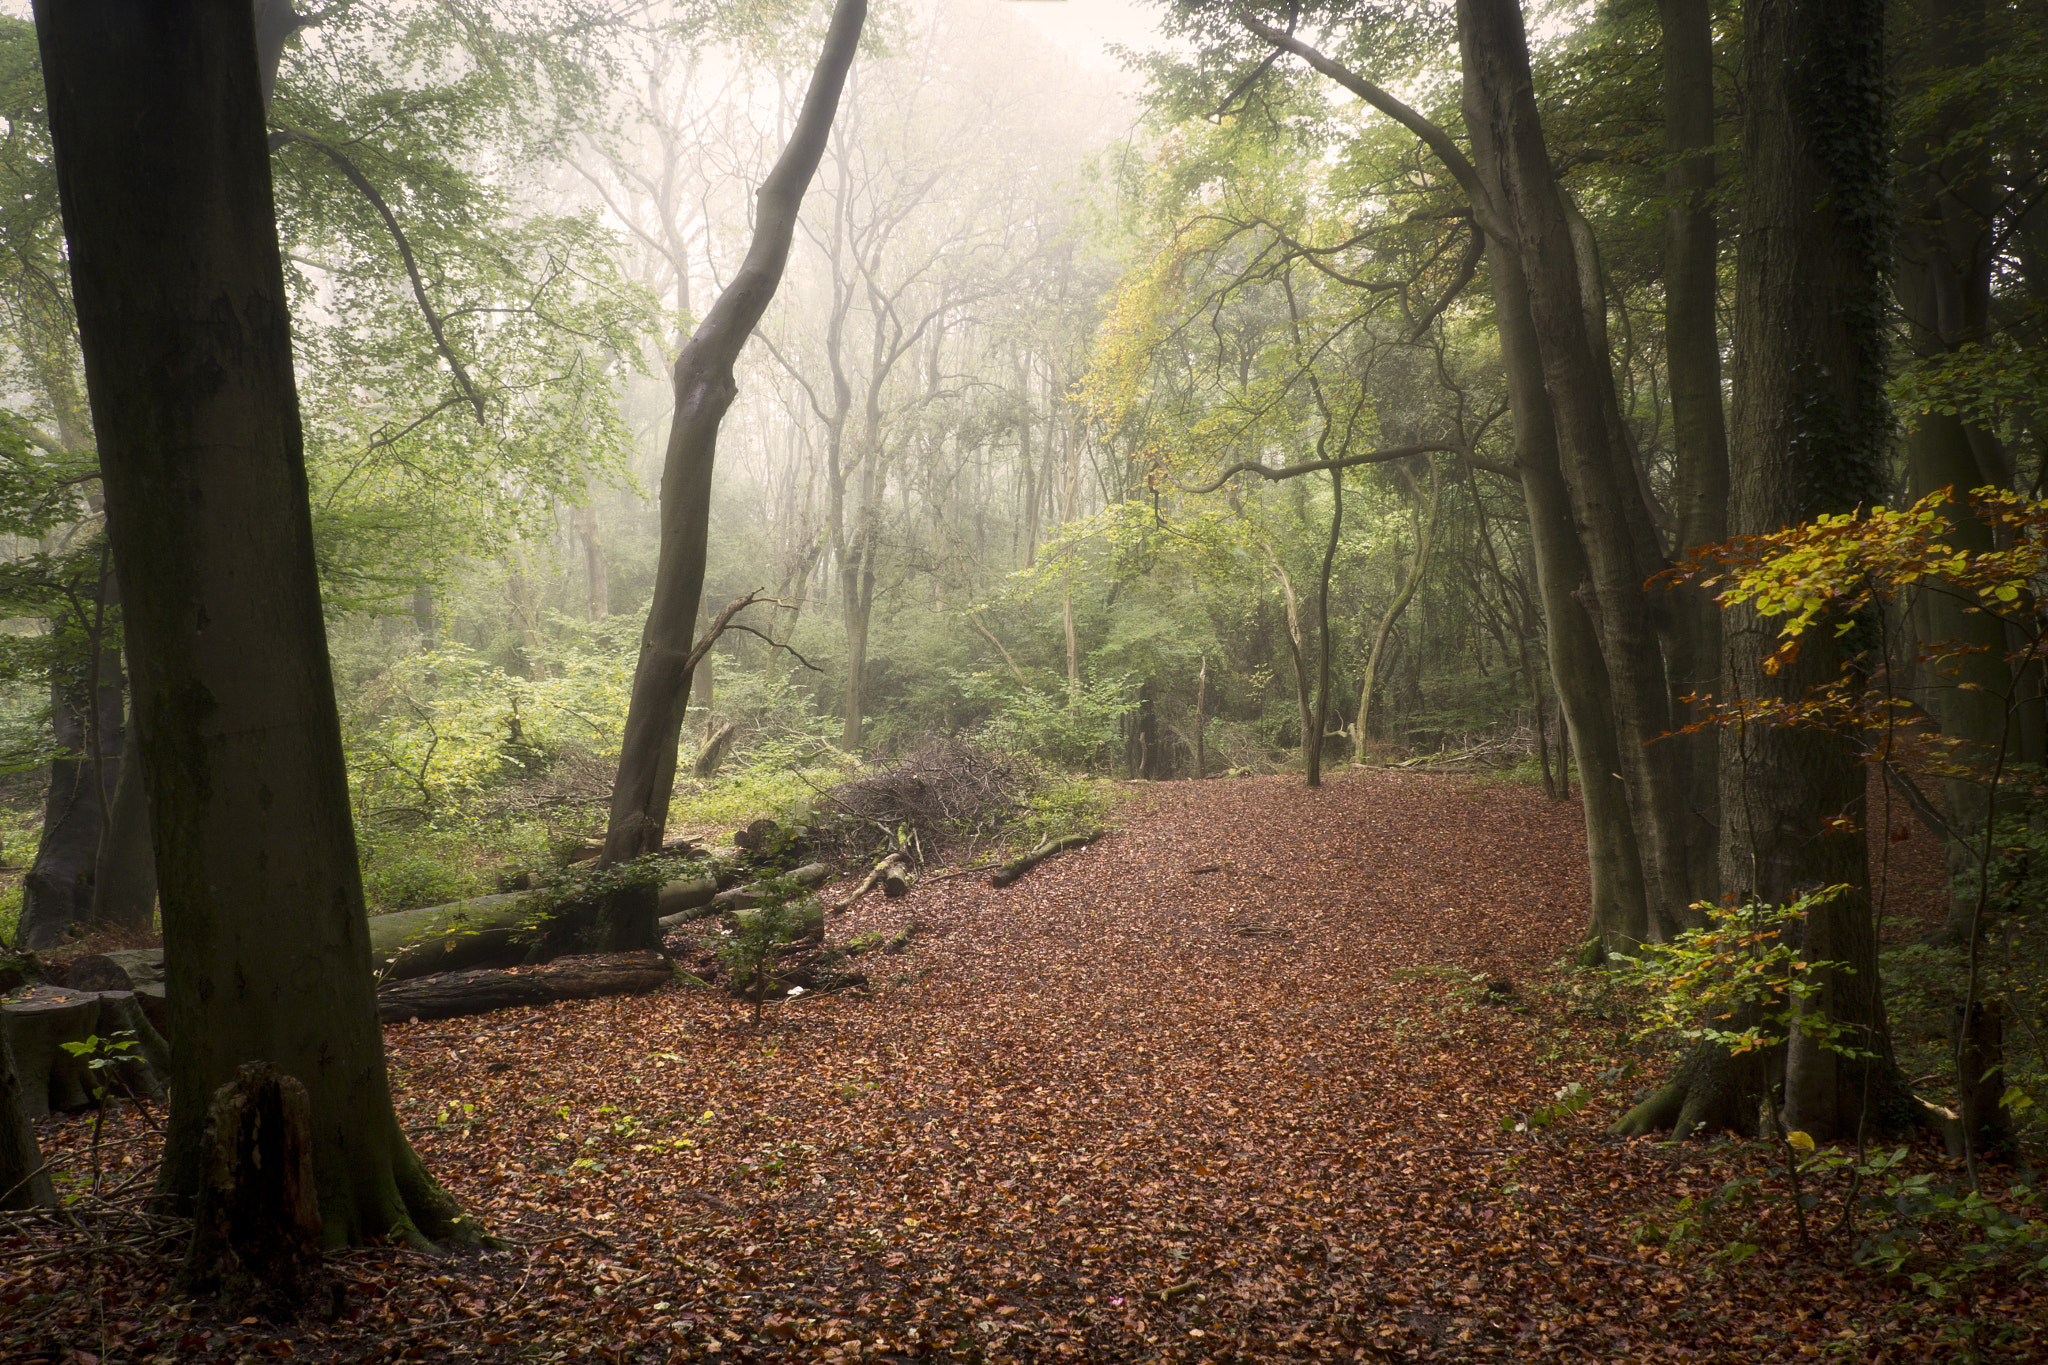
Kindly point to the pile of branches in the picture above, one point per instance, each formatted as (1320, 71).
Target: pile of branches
(945, 798)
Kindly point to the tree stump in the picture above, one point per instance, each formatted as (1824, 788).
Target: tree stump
(1980, 1074)
(256, 1228)
(24, 1184)
(42, 1019)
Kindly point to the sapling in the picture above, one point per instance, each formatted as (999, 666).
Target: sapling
(785, 913)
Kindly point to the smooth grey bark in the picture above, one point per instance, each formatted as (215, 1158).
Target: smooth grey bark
(156, 119)
(1699, 431)
(1607, 506)
(704, 389)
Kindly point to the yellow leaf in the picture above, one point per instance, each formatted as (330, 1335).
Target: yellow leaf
(1800, 1140)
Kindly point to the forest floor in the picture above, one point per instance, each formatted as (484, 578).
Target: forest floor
(1123, 1110)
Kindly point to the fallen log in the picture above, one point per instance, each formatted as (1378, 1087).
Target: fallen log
(874, 877)
(1017, 867)
(447, 938)
(898, 881)
(736, 898)
(453, 994)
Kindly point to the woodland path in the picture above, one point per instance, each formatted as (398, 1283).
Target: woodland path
(1119, 1111)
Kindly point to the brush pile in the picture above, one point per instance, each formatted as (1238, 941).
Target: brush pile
(946, 798)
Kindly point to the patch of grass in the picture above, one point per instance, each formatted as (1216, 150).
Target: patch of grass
(448, 861)
(774, 782)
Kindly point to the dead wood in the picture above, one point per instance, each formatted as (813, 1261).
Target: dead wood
(453, 994)
(868, 883)
(256, 1231)
(1017, 867)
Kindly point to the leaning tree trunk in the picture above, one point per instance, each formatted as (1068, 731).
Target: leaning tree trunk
(156, 121)
(1576, 665)
(704, 389)
(1620, 901)
(1620, 546)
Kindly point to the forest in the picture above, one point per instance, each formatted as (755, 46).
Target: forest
(993, 681)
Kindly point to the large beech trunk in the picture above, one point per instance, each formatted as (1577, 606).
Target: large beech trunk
(704, 389)
(1607, 504)
(156, 119)
(1692, 349)
(1809, 426)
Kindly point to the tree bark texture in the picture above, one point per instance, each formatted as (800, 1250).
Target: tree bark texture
(1809, 428)
(453, 994)
(1692, 349)
(157, 123)
(1600, 476)
(704, 389)
(256, 1230)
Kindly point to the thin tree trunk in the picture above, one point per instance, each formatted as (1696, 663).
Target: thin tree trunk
(1297, 650)
(156, 118)
(704, 389)
(597, 600)
(1425, 540)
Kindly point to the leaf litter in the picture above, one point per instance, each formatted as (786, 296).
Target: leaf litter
(1227, 1085)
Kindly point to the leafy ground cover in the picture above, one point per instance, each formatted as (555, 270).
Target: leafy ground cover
(1228, 1085)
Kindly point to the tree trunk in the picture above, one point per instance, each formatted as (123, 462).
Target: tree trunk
(597, 597)
(1942, 280)
(1425, 538)
(24, 1184)
(57, 895)
(156, 119)
(1600, 476)
(124, 879)
(1809, 429)
(451, 995)
(704, 389)
(1692, 347)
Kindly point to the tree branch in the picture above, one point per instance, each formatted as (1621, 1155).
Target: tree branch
(1432, 134)
(412, 270)
(1295, 471)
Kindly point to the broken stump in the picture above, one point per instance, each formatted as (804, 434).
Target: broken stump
(256, 1227)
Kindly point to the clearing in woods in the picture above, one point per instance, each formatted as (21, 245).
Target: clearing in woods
(1123, 1110)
